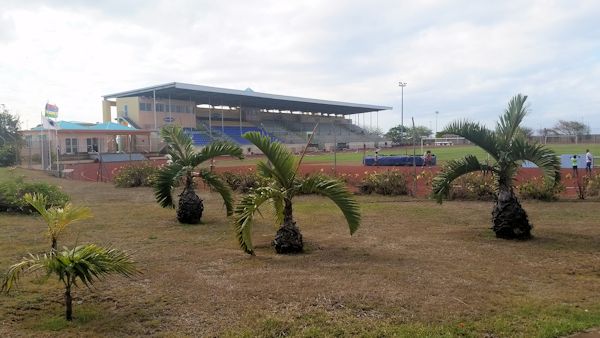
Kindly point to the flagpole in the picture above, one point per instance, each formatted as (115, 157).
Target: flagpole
(42, 153)
(56, 143)
(48, 134)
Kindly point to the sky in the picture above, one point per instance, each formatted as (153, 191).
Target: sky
(463, 59)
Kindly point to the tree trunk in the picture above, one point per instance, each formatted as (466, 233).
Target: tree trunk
(509, 218)
(288, 239)
(68, 304)
(190, 208)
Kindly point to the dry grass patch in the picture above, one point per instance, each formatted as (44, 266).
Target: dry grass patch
(413, 268)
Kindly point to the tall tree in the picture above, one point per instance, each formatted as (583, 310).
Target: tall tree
(571, 128)
(185, 161)
(508, 148)
(403, 134)
(85, 263)
(10, 139)
(281, 185)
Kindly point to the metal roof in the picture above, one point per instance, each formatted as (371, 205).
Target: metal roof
(82, 126)
(247, 98)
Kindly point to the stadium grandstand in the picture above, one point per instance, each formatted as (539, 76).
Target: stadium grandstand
(210, 113)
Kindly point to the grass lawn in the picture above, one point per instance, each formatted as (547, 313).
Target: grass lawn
(443, 154)
(413, 269)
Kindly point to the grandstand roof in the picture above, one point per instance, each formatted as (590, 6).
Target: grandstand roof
(247, 98)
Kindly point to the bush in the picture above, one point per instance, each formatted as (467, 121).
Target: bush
(541, 189)
(12, 192)
(473, 186)
(242, 182)
(136, 175)
(593, 185)
(391, 182)
(8, 155)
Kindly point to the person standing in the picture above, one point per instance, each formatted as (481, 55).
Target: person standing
(588, 162)
(427, 159)
(574, 165)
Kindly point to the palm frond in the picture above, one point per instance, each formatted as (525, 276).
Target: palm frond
(281, 158)
(57, 218)
(278, 209)
(215, 149)
(219, 186)
(511, 120)
(545, 158)
(265, 170)
(91, 262)
(336, 191)
(477, 134)
(61, 217)
(244, 214)
(26, 265)
(166, 179)
(454, 169)
(39, 203)
(180, 145)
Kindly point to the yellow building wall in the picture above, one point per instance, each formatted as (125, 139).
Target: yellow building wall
(106, 113)
(133, 108)
(140, 110)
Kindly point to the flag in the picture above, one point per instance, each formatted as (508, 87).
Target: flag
(51, 110)
(49, 124)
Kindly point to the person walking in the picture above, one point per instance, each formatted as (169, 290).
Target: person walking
(588, 162)
(574, 165)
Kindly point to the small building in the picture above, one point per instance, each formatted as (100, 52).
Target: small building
(77, 141)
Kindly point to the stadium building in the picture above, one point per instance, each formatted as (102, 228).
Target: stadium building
(210, 113)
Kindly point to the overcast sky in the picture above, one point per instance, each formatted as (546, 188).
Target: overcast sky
(464, 59)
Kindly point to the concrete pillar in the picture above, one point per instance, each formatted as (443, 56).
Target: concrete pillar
(106, 116)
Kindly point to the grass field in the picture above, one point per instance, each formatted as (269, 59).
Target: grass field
(413, 269)
(443, 154)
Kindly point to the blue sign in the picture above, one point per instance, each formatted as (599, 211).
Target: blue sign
(169, 119)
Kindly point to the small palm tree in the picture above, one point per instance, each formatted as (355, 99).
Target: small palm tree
(184, 162)
(85, 264)
(57, 218)
(281, 187)
(509, 147)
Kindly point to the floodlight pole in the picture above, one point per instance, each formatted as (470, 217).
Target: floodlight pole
(402, 85)
(436, 118)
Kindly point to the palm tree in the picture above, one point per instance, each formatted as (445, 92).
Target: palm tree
(57, 218)
(280, 188)
(85, 264)
(509, 147)
(184, 161)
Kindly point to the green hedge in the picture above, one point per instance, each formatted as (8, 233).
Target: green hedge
(12, 192)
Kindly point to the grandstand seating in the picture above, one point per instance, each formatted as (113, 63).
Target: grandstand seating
(235, 133)
(199, 138)
(285, 128)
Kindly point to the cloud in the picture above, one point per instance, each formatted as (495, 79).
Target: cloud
(460, 58)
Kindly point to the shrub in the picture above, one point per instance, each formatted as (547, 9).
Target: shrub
(391, 182)
(242, 182)
(593, 185)
(538, 188)
(136, 175)
(12, 192)
(473, 186)
(8, 155)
